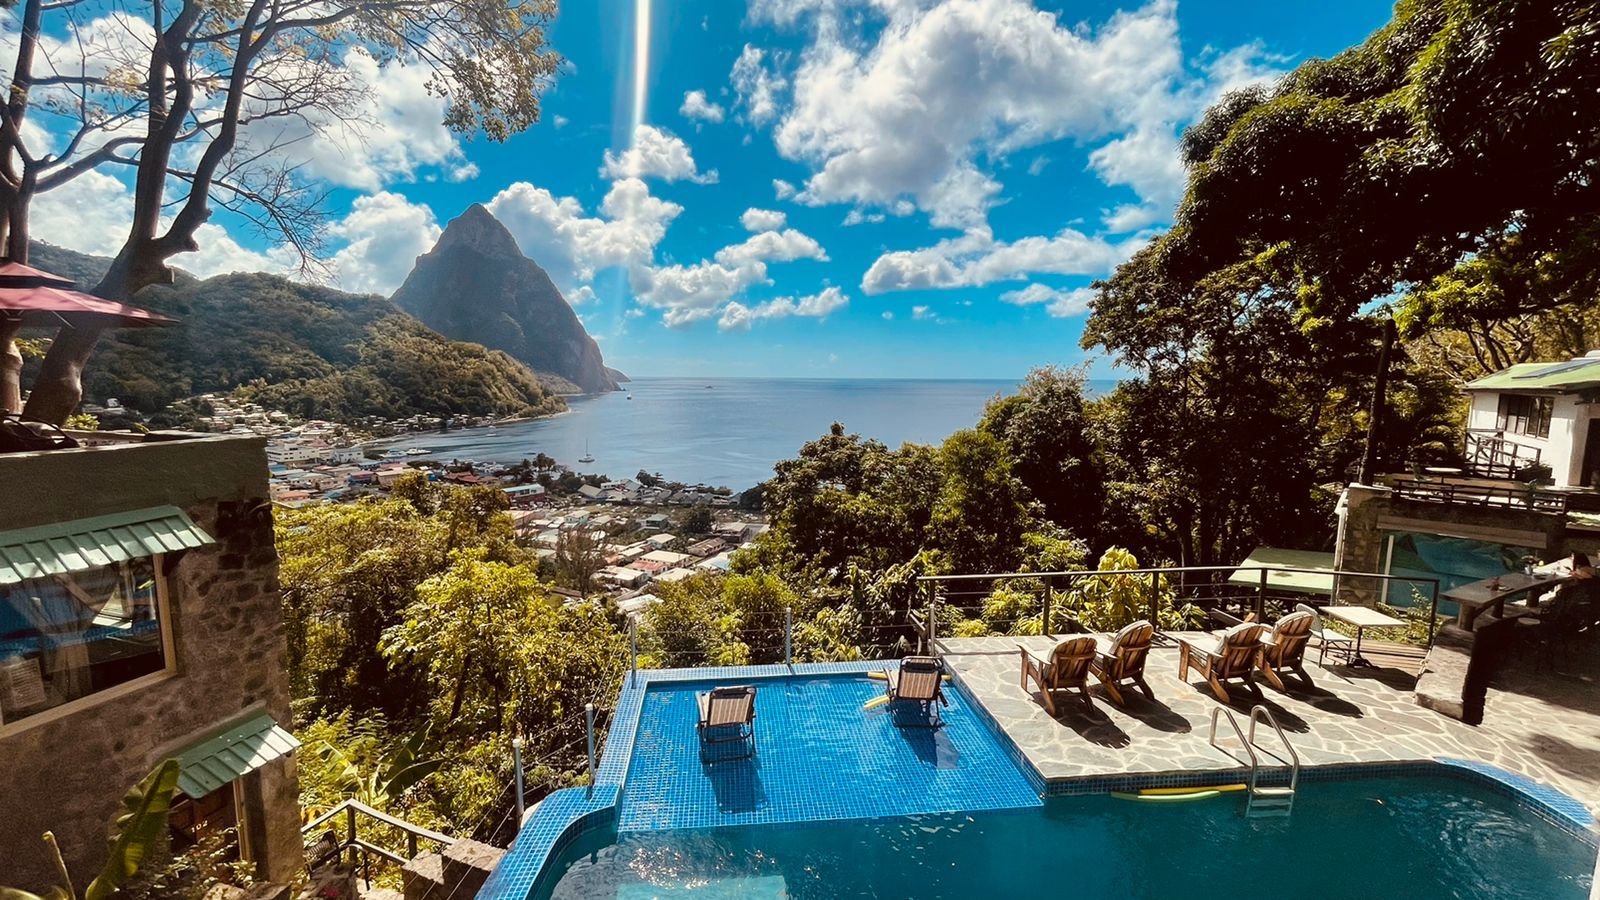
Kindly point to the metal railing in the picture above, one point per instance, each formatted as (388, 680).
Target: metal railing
(1204, 587)
(1489, 454)
(352, 812)
(1527, 497)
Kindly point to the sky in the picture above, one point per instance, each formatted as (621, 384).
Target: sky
(797, 188)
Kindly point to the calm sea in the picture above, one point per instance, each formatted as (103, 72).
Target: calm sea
(721, 431)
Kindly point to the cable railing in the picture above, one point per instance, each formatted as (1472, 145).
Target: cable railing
(1171, 597)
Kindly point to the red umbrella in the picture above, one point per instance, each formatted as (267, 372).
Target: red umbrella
(35, 297)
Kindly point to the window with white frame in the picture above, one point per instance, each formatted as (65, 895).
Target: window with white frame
(69, 636)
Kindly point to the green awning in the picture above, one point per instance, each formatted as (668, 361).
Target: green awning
(81, 544)
(236, 752)
(1317, 581)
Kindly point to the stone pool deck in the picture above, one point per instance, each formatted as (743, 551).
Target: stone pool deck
(1541, 724)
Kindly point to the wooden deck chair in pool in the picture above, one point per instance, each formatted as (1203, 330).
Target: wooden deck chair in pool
(1066, 667)
(919, 680)
(1232, 658)
(1327, 639)
(1123, 660)
(1284, 648)
(727, 715)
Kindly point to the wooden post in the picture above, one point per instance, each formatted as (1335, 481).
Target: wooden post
(1380, 388)
(10, 367)
(1044, 620)
(1261, 598)
(350, 831)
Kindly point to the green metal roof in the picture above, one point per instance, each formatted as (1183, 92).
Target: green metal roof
(1314, 582)
(1568, 375)
(236, 752)
(81, 544)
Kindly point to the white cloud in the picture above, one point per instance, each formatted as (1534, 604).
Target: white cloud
(561, 121)
(582, 295)
(907, 99)
(464, 172)
(656, 153)
(857, 217)
(739, 317)
(776, 246)
(688, 294)
(696, 106)
(888, 316)
(975, 259)
(919, 312)
(1059, 304)
(572, 245)
(782, 189)
(384, 235)
(755, 219)
(756, 84)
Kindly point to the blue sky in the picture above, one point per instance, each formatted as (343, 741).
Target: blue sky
(916, 188)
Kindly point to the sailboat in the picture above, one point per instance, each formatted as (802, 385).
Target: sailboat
(587, 457)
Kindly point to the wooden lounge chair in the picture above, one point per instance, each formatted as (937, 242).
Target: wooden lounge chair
(1067, 667)
(727, 714)
(920, 680)
(1284, 648)
(1124, 660)
(1327, 639)
(1234, 657)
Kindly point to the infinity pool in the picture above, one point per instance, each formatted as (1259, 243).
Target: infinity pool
(1414, 838)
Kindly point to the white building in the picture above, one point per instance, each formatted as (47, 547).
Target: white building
(1539, 413)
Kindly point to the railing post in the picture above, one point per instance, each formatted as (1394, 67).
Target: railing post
(588, 714)
(1261, 598)
(516, 762)
(350, 832)
(633, 652)
(1044, 615)
(933, 614)
(788, 635)
(1433, 613)
(1155, 598)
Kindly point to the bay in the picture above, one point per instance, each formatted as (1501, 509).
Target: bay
(719, 431)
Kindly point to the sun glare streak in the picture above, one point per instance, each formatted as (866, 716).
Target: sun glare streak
(641, 63)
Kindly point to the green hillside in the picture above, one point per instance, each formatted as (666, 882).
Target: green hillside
(308, 350)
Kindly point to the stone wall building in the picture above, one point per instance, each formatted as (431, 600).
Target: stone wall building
(139, 621)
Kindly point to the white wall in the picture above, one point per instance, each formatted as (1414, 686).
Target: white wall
(1562, 451)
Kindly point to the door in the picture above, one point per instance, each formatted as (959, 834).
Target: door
(1590, 475)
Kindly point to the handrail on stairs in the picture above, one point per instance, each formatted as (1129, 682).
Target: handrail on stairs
(353, 810)
(1262, 713)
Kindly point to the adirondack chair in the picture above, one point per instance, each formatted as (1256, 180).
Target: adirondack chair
(727, 714)
(1284, 648)
(920, 680)
(1234, 657)
(1067, 666)
(1124, 660)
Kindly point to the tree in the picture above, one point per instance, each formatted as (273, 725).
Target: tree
(1046, 432)
(579, 558)
(205, 101)
(982, 509)
(698, 520)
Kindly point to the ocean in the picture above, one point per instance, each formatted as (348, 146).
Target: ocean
(720, 431)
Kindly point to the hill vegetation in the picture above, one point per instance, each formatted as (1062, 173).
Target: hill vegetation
(305, 349)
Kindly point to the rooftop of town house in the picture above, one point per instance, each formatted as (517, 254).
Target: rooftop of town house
(1563, 376)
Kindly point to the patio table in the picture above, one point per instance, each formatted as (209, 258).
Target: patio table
(1362, 617)
(1491, 593)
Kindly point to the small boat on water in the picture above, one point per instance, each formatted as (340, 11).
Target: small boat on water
(630, 396)
(587, 457)
(418, 451)
(394, 453)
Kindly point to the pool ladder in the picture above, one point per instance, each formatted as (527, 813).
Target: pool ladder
(1262, 801)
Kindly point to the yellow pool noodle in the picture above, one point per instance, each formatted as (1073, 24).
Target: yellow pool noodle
(1221, 788)
(875, 702)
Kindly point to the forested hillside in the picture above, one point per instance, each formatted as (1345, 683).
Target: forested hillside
(305, 349)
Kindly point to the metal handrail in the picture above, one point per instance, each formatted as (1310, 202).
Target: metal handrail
(1294, 758)
(352, 809)
(1255, 763)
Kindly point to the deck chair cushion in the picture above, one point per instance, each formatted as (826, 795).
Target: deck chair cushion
(1233, 634)
(1128, 631)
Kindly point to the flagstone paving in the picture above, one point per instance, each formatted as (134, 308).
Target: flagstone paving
(1544, 725)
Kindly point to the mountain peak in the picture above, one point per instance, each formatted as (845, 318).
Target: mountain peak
(476, 227)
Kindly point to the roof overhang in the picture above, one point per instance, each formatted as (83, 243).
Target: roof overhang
(1293, 571)
(64, 547)
(240, 749)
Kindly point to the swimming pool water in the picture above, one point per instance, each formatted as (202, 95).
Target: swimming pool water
(1415, 838)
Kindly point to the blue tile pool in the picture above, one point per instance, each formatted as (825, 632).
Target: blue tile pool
(1412, 837)
(819, 755)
